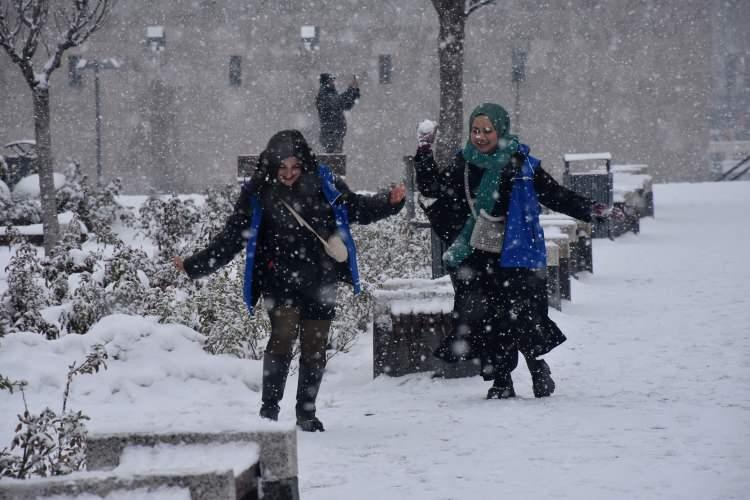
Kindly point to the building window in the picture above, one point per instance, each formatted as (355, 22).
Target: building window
(518, 65)
(74, 73)
(235, 71)
(385, 68)
(156, 38)
(310, 37)
(731, 72)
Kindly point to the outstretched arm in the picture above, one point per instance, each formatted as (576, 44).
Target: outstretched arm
(365, 209)
(349, 97)
(225, 245)
(560, 199)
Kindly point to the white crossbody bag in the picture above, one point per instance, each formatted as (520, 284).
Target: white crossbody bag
(333, 246)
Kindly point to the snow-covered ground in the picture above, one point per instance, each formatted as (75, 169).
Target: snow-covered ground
(653, 398)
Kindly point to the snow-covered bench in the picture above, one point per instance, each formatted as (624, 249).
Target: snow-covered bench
(34, 233)
(553, 275)
(579, 239)
(634, 187)
(411, 318)
(206, 466)
(225, 471)
(553, 234)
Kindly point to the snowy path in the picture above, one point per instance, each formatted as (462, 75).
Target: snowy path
(653, 398)
(653, 395)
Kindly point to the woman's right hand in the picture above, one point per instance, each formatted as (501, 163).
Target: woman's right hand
(179, 263)
(426, 133)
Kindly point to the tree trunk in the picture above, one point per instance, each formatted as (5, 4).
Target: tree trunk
(45, 165)
(451, 58)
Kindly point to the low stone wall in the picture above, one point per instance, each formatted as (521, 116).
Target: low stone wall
(205, 466)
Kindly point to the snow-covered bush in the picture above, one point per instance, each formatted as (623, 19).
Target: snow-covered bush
(71, 196)
(101, 209)
(21, 212)
(167, 222)
(217, 310)
(126, 281)
(88, 306)
(26, 292)
(65, 259)
(219, 204)
(97, 207)
(48, 444)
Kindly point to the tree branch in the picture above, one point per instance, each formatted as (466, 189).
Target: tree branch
(85, 22)
(472, 5)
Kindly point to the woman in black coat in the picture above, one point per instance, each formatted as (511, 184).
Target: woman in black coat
(286, 262)
(500, 304)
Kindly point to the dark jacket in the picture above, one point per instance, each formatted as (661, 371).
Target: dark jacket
(331, 106)
(448, 213)
(286, 254)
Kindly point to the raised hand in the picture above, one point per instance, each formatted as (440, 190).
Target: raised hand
(426, 131)
(398, 193)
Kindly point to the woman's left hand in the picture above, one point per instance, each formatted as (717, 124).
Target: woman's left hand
(398, 193)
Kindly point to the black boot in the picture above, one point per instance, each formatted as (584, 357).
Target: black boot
(275, 370)
(310, 378)
(541, 377)
(502, 388)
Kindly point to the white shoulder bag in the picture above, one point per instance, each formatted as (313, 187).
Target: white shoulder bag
(334, 246)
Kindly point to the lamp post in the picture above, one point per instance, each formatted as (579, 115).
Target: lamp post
(97, 65)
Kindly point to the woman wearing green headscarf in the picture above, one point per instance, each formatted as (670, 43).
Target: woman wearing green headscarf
(486, 210)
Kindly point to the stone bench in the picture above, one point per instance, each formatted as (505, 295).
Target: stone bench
(207, 472)
(553, 234)
(411, 318)
(579, 240)
(205, 466)
(553, 275)
(634, 188)
(34, 233)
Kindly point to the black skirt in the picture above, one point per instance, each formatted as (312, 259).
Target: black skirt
(498, 311)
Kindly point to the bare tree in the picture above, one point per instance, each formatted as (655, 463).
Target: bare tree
(57, 25)
(452, 15)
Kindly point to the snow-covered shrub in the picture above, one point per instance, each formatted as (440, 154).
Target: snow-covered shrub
(72, 196)
(32, 321)
(219, 205)
(88, 306)
(126, 281)
(25, 291)
(101, 209)
(221, 315)
(48, 444)
(167, 222)
(97, 207)
(65, 259)
(21, 213)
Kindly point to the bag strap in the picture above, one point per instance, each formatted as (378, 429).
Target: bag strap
(482, 212)
(304, 223)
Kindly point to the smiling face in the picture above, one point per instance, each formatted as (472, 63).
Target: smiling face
(289, 171)
(483, 134)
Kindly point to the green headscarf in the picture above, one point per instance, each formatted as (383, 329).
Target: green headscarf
(492, 164)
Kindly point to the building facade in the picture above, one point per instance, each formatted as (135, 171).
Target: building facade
(203, 81)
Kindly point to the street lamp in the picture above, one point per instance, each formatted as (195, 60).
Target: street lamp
(97, 65)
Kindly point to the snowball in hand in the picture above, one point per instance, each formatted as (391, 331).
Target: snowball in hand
(426, 127)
